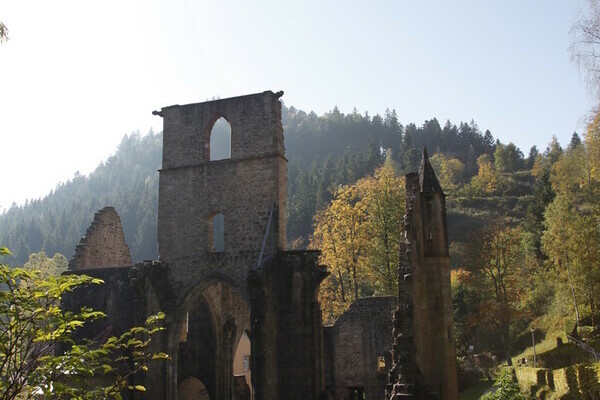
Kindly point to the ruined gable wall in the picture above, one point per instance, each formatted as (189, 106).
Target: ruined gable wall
(242, 188)
(103, 244)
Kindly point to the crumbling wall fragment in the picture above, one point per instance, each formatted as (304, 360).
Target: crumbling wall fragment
(357, 348)
(103, 244)
(424, 353)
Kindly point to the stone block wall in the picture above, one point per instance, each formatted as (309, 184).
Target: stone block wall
(353, 345)
(255, 121)
(432, 278)
(424, 296)
(243, 188)
(103, 244)
(127, 297)
(247, 189)
(286, 330)
(216, 295)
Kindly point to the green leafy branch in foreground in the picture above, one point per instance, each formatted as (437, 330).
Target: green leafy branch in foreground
(505, 388)
(33, 326)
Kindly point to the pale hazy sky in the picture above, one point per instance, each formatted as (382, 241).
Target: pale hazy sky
(78, 75)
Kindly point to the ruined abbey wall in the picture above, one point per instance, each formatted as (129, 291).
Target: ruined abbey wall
(211, 297)
(243, 188)
(103, 244)
(424, 351)
(354, 345)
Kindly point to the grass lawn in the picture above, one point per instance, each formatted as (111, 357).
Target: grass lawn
(551, 356)
(546, 345)
(476, 391)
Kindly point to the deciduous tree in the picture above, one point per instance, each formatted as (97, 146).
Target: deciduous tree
(486, 179)
(3, 32)
(384, 197)
(559, 246)
(496, 263)
(585, 47)
(449, 170)
(572, 235)
(32, 326)
(358, 235)
(342, 235)
(45, 265)
(507, 158)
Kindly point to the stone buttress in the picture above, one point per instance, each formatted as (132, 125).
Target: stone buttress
(424, 356)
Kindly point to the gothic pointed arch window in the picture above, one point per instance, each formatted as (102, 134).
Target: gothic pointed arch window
(220, 140)
(217, 230)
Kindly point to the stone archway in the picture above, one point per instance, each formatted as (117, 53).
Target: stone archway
(197, 347)
(192, 388)
(242, 378)
(204, 336)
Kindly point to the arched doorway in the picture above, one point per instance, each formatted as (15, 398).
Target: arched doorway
(192, 388)
(242, 382)
(197, 347)
(206, 337)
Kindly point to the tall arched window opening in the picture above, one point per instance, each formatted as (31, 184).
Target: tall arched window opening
(241, 363)
(218, 233)
(220, 140)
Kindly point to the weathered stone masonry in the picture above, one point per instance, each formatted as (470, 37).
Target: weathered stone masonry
(103, 244)
(211, 298)
(287, 347)
(354, 346)
(205, 294)
(424, 351)
(193, 189)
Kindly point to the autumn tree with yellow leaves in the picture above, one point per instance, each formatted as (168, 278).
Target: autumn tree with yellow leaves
(384, 196)
(486, 180)
(358, 235)
(342, 235)
(449, 170)
(572, 222)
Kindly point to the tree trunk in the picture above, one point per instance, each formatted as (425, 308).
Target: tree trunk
(593, 305)
(355, 282)
(572, 289)
(506, 345)
(342, 285)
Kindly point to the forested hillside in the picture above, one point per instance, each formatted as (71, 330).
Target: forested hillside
(323, 152)
(128, 180)
(338, 149)
(516, 222)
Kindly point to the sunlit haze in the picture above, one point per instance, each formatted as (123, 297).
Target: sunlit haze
(76, 76)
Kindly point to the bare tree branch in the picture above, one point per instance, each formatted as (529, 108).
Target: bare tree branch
(3, 32)
(585, 46)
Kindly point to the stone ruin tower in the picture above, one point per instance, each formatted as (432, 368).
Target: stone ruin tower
(222, 235)
(241, 187)
(223, 276)
(424, 355)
